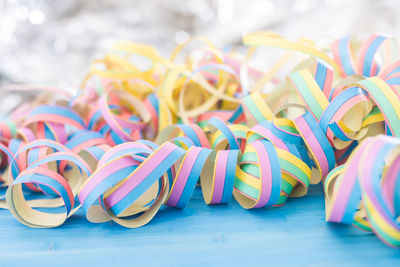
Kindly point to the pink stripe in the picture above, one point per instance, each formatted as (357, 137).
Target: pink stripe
(346, 185)
(328, 82)
(109, 117)
(336, 57)
(54, 175)
(40, 130)
(5, 131)
(374, 69)
(248, 162)
(363, 52)
(140, 174)
(388, 184)
(394, 75)
(244, 194)
(366, 180)
(58, 130)
(45, 157)
(236, 66)
(52, 118)
(294, 177)
(200, 134)
(88, 143)
(129, 145)
(313, 143)
(379, 106)
(222, 114)
(219, 176)
(367, 185)
(266, 133)
(336, 92)
(383, 75)
(104, 171)
(103, 147)
(348, 105)
(27, 133)
(285, 131)
(126, 123)
(181, 178)
(265, 174)
(342, 111)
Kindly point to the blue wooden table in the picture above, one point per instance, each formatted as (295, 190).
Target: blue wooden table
(295, 235)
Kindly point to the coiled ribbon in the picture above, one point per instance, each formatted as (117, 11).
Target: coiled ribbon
(212, 122)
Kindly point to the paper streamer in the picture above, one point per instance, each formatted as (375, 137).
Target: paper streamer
(134, 139)
(365, 190)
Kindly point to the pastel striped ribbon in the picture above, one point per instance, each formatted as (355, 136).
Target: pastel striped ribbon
(215, 124)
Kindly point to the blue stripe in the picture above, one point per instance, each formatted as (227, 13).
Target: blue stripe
(116, 138)
(154, 102)
(33, 155)
(320, 74)
(106, 184)
(345, 57)
(46, 181)
(148, 143)
(96, 152)
(288, 137)
(369, 56)
(48, 133)
(394, 81)
(236, 114)
(81, 138)
(57, 110)
(157, 172)
(352, 204)
(193, 178)
(349, 150)
(322, 140)
(183, 139)
(96, 116)
(217, 123)
(396, 197)
(230, 174)
(275, 172)
(55, 157)
(333, 107)
(130, 152)
(190, 133)
(376, 174)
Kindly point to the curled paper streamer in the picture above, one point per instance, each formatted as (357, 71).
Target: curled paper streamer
(134, 139)
(365, 190)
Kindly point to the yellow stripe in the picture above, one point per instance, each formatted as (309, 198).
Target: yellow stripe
(314, 88)
(247, 178)
(378, 218)
(268, 39)
(294, 160)
(262, 106)
(372, 119)
(389, 94)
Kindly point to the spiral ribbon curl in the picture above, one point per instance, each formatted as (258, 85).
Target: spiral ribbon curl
(214, 123)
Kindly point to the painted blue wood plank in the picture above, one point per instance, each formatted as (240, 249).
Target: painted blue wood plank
(295, 234)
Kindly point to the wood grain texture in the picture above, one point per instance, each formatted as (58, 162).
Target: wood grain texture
(201, 235)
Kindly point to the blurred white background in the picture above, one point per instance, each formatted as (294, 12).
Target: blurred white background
(51, 42)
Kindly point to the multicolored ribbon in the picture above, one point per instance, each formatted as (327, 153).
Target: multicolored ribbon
(133, 139)
(365, 190)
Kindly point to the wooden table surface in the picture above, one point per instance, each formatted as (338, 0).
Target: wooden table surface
(201, 235)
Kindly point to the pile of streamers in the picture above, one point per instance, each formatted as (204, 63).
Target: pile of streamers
(135, 138)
